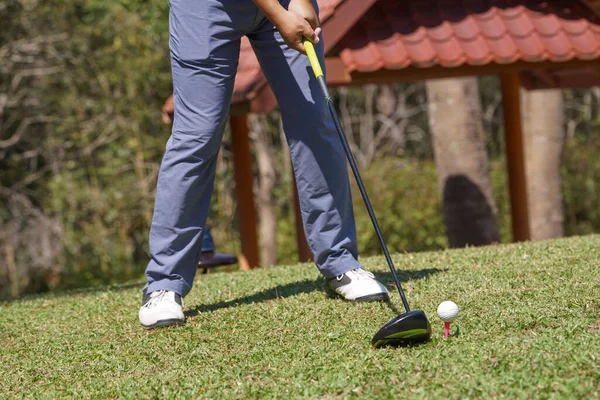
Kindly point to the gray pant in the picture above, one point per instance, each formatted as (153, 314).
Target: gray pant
(205, 44)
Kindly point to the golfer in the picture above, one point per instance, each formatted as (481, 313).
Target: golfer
(205, 45)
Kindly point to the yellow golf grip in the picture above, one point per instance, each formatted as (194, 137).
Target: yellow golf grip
(312, 57)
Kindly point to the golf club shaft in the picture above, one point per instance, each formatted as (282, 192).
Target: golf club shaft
(314, 62)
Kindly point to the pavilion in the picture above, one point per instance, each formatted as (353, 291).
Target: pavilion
(533, 44)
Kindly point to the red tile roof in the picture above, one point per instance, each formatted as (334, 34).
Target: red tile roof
(594, 5)
(396, 34)
(451, 33)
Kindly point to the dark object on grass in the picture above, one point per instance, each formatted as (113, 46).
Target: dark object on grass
(413, 326)
(209, 258)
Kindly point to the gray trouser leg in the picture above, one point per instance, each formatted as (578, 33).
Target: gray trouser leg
(203, 74)
(317, 154)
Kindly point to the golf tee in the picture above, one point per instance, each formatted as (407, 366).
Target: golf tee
(446, 329)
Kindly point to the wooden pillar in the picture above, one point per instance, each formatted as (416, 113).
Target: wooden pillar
(242, 162)
(304, 253)
(515, 157)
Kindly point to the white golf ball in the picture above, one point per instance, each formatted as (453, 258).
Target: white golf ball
(447, 311)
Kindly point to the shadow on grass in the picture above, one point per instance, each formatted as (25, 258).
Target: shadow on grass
(305, 286)
(72, 292)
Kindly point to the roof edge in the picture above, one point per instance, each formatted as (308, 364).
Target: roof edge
(594, 5)
(344, 17)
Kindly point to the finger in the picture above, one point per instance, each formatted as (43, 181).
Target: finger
(313, 21)
(310, 34)
(299, 47)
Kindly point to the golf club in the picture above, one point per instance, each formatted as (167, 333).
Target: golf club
(412, 326)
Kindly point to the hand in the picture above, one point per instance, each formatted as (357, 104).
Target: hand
(299, 21)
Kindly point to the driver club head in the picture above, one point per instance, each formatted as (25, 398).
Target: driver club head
(406, 329)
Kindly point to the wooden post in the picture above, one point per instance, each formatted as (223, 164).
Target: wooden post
(242, 162)
(304, 253)
(515, 157)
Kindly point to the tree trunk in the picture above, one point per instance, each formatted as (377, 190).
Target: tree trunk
(544, 139)
(462, 162)
(266, 181)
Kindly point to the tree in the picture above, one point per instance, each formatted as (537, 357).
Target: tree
(544, 140)
(266, 161)
(30, 239)
(462, 162)
(78, 139)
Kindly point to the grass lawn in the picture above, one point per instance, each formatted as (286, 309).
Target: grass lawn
(529, 328)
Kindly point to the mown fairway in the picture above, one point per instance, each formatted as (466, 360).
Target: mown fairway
(529, 328)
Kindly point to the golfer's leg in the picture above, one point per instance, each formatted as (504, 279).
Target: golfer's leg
(203, 75)
(317, 154)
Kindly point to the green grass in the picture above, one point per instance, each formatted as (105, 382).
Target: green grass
(529, 328)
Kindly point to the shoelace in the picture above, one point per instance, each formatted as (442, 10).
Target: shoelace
(360, 274)
(155, 298)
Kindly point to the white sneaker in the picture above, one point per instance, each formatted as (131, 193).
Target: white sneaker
(161, 308)
(358, 285)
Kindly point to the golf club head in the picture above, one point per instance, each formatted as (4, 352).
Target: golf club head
(405, 329)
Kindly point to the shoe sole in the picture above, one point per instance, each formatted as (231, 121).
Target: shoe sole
(372, 297)
(332, 294)
(163, 323)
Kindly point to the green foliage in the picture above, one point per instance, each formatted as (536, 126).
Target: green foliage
(406, 202)
(404, 194)
(101, 152)
(110, 136)
(581, 185)
(405, 197)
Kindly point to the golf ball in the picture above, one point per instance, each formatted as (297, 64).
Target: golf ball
(447, 311)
